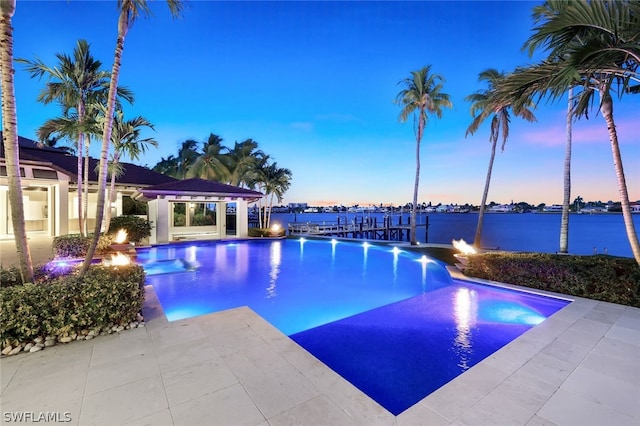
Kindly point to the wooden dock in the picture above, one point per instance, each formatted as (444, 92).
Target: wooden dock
(359, 228)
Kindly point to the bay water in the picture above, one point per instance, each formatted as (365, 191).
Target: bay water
(532, 232)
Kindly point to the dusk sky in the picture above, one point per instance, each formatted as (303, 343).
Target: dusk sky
(314, 84)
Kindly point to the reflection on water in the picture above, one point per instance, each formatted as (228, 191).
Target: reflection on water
(190, 254)
(333, 251)
(465, 306)
(275, 261)
(365, 247)
(396, 252)
(302, 241)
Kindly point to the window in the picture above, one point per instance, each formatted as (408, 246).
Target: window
(3, 171)
(45, 174)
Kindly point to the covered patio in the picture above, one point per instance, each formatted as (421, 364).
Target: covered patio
(197, 209)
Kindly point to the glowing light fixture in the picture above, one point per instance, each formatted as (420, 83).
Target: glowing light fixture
(117, 259)
(462, 246)
(121, 236)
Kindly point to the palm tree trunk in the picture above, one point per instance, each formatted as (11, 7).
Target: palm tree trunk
(80, 180)
(564, 222)
(123, 27)
(112, 193)
(85, 208)
(82, 214)
(485, 194)
(11, 145)
(606, 108)
(414, 207)
(270, 208)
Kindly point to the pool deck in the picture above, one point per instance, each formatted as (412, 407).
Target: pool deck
(581, 366)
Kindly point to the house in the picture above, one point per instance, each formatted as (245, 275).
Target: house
(196, 208)
(50, 195)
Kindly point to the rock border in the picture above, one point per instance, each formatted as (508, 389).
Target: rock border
(40, 342)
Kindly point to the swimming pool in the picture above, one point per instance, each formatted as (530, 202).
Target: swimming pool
(390, 321)
(294, 284)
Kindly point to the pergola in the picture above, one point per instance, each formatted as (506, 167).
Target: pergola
(195, 209)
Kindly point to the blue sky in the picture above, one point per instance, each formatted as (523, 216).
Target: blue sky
(314, 84)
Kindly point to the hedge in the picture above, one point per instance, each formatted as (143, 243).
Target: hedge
(75, 246)
(106, 296)
(600, 277)
(137, 228)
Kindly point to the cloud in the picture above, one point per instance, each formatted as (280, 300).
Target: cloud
(583, 132)
(304, 126)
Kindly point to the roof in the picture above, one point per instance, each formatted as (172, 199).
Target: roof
(197, 187)
(61, 161)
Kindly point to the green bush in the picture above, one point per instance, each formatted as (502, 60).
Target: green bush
(70, 246)
(265, 232)
(104, 297)
(200, 219)
(137, 228)
(75, 246)
(607, 278)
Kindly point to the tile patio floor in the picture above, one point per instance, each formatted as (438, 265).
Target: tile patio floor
(579, 367)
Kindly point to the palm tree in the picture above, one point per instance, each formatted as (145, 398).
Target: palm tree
(70, 83)
(274, 181)
(130, 10)
(167, 166)
(606, 59)
(78, 84)
(566, 198)
(125, 138)
(488, 103)
(210, 164)
(10, 140)
(422, 95)
(541, 13)
(242, 161)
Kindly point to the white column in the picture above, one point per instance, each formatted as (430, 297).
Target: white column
(161, 219)
(61, 208)
(242, 218)
(221, 219)
(118, 204)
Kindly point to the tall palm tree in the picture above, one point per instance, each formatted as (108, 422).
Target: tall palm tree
(606, 59)
(242, 162)
(541, 13)
(274, 181)
(566, 197)
(422, 95)
(489, 103)
(70, 83)
(126, 140)
(10, 140)
(130, 10)
(78, 84)
(210, 164)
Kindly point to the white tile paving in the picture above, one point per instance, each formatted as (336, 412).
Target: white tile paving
(233, 368)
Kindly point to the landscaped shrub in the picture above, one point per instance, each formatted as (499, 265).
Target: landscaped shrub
(607, 278)
(137, 228)
(265, 232)
(75, 246)
(104, 297)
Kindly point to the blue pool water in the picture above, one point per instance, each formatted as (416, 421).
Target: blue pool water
(294, 285)
(393, 323)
